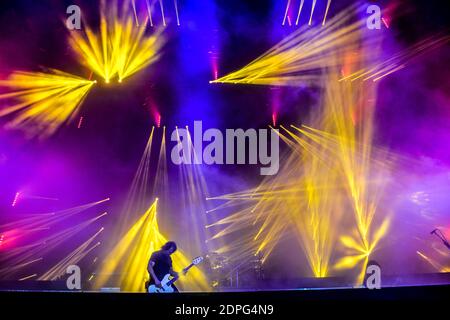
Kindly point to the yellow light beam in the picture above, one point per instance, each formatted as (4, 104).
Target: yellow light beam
(286, 11)
(119, 48)
(73, 258)
(149, 12)
(302, 2)
(312, 11)
(175, 3)
(326, 12)
(42, 102)
(28, 277)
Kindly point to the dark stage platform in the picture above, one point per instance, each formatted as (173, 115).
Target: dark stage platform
(288, 304)
(267, 284)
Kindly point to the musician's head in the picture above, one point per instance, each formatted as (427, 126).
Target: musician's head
(170, 247)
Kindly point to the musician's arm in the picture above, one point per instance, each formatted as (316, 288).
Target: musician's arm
(152, 272)
(173, 273)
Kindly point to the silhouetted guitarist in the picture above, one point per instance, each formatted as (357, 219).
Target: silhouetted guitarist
(160, 264)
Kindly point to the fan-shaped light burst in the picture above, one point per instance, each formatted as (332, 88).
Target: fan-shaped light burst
(298, 58)
(119, 48)
(42, 102)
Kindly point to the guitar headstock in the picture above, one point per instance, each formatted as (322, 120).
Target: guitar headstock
(197, 260)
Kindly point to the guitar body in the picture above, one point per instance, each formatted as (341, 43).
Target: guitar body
(166, 286)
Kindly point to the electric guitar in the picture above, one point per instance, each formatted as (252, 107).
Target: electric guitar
(166, 283)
